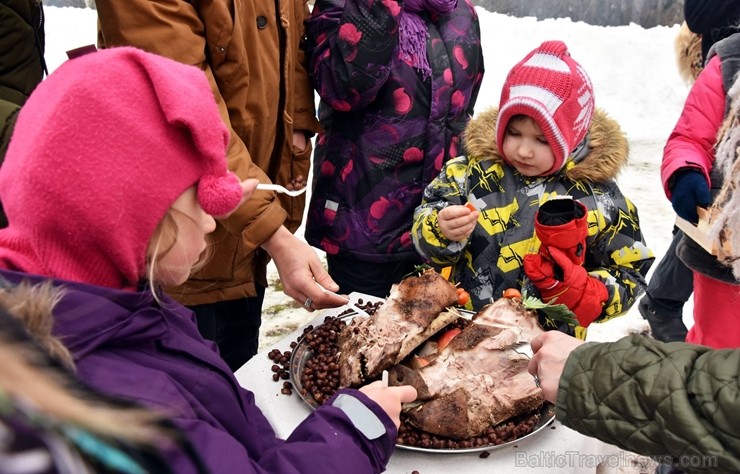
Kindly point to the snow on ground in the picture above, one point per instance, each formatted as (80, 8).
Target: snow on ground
(635, 79)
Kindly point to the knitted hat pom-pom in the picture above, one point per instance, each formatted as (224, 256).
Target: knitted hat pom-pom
(219, 195)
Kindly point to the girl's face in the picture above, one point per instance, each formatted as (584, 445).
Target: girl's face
(526, 147)
(179, 257)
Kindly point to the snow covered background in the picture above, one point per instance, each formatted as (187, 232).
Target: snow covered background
(636, 81)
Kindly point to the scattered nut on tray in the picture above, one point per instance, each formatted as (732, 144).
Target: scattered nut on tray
(320, 380)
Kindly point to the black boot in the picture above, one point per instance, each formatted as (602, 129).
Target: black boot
(670, 286)
(664, 327)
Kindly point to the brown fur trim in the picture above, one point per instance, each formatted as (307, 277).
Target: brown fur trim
(480, 135)
(687, 47)
(49, 392)
(609, 149)
(725, 211)
(32, 305)
(26, 373)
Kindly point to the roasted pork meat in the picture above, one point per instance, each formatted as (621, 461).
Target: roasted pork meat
(414, 311)
(479, 379)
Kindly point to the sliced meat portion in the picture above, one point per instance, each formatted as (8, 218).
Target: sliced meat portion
(478, 380)
(413, 312)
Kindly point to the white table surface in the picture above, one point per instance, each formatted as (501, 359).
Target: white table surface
(554, 449)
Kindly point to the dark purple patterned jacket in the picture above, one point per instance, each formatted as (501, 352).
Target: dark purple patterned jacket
(128, 345)
(387, 131)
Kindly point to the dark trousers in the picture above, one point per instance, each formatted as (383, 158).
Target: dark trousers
(670, 286)
(371, 278)
(234, 325)
(671, 283)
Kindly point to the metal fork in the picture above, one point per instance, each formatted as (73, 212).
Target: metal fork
(281, 189)
(525, 349)
(352, 305)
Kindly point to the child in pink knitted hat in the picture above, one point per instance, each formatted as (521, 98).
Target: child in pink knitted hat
(104, 154)
(534, 204)
(112, 178)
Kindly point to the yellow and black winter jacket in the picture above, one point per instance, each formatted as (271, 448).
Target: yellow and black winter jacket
(490, 260)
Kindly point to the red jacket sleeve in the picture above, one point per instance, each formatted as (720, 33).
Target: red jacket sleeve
(691, 143)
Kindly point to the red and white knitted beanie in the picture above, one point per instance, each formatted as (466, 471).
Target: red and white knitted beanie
(100, 152)
(555, 91)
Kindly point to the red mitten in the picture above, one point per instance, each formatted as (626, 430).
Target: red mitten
(579, 291)
(563, 223)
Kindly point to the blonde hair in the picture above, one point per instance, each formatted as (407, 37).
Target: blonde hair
(162, 242)
(27, 374)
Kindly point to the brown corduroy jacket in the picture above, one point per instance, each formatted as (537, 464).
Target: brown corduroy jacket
(252, 53)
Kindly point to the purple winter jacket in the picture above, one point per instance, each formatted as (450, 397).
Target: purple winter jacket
(126, 344)
(387, 129)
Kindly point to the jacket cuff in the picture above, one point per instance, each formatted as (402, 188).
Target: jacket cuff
(571, 365)
(373, 409)
(264, 226)
(360, 415)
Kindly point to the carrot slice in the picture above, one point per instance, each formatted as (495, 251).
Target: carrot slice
(512, 294)
(418, 362)
(444, 339)
(463, 297)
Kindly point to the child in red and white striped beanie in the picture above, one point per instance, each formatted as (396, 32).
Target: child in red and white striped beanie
(534, 204)
(552, 89)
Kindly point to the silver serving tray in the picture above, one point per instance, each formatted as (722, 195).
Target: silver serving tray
(302, 353)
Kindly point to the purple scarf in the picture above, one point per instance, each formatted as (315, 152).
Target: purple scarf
(412, 32)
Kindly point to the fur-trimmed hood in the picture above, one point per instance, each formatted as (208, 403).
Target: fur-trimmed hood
(689, 61)
(32, 306)
(724, 213)
(608, 147)
(31, 372)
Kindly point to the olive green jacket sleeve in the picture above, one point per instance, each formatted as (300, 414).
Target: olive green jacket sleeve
(675, 401)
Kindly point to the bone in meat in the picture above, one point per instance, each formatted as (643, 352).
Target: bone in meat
(413, 312)
(478, 380)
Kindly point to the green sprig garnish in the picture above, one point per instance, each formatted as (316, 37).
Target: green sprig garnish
(418, 270)
(558, 312)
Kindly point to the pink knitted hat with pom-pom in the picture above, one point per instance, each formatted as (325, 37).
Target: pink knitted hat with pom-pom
(100, 151)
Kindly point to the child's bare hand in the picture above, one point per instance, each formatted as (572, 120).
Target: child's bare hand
(390, 398)
(457, 222)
